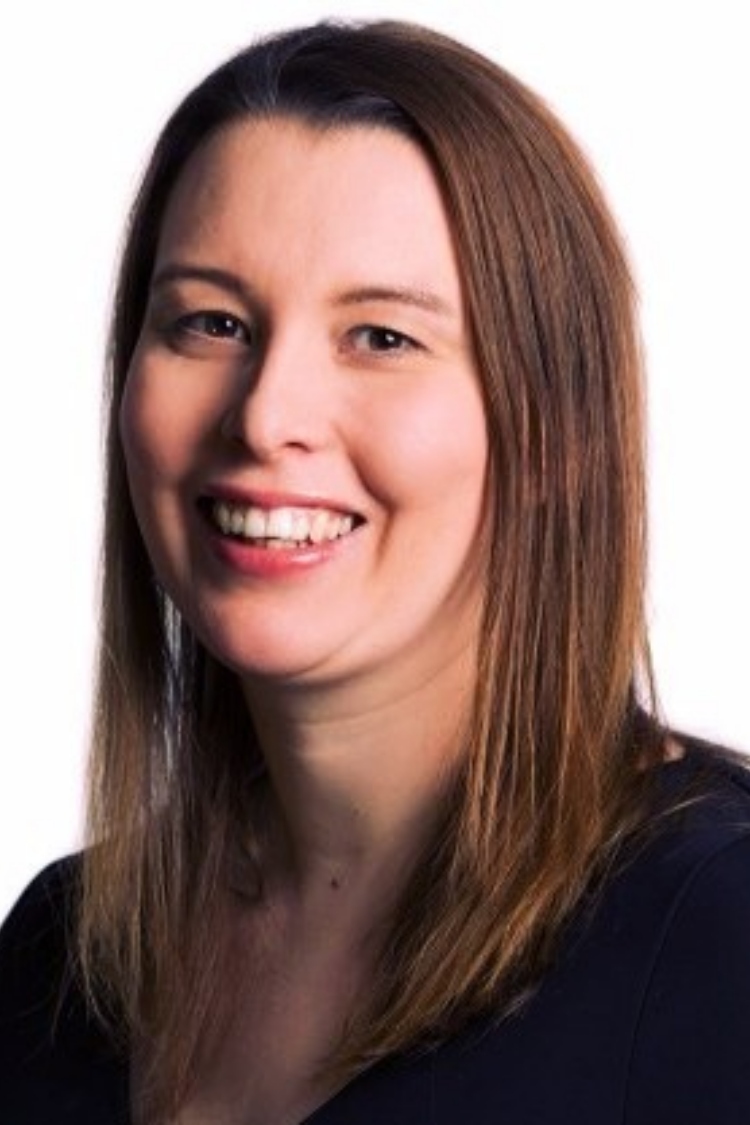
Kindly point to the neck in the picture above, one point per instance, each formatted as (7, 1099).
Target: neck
(357, 776)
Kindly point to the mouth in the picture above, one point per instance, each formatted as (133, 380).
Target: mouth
(278, 528)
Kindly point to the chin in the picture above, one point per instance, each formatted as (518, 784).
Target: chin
(280, 654)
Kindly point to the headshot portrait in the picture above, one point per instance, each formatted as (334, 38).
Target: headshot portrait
(375, 664)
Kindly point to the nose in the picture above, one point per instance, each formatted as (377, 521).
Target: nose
(284, 403)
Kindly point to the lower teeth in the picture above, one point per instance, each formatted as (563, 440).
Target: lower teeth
(272, 544)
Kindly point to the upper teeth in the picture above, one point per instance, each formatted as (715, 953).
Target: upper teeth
(295, 524)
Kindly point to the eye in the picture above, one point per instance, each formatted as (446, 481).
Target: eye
(214, 325)
(381, 340)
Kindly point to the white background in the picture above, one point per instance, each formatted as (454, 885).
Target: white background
(659, 94)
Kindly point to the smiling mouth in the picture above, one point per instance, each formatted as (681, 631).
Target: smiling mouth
(283, 528)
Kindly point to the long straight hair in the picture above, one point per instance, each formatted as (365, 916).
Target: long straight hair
(552, 777)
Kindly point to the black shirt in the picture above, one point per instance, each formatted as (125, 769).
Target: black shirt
(644, 1019)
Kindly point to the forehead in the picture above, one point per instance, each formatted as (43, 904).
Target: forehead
(281, 193)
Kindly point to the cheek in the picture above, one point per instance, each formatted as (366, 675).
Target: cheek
(155, 451)
(156, 431)
(141, 428)
(155, 459)
(431, 449)
(133, 426)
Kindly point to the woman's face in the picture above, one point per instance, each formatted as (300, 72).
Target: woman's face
(302, 421)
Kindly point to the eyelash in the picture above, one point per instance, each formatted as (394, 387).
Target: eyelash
(207, 322)
(399, 341)
(215, 324)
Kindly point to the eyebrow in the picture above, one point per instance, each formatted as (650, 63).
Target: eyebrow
(178, 271)
(419, 298)
(362, 295)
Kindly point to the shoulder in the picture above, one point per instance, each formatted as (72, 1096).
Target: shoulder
(56, 1065)
(645, 1015)
(691, 1043)
(34, 939)
(695, 839)
(35, 944)
(700, 809)
(701, 854)
(45, 899)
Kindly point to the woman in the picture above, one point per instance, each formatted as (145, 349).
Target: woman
(382, 826)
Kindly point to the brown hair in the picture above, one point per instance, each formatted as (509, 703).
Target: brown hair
(552, 776)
